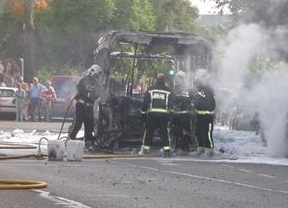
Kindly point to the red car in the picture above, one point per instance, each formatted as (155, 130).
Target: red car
(65, 88)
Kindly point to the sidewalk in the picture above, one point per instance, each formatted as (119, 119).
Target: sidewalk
(34, 125)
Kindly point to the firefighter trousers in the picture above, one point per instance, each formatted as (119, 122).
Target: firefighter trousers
(84, 114)
(204, 129)
(156, 121)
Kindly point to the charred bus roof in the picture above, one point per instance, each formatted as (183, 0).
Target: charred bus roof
(152, 45)
(178, 40)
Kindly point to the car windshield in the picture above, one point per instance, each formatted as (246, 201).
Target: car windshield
(7, 93)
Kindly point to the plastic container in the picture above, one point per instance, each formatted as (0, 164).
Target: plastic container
(56, 150)
(74, 150)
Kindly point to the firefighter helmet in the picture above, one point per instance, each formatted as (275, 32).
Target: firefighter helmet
(180, 74)
(94, 69)
(160, 77)
(202, 74)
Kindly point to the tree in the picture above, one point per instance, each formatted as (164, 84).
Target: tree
(72, 27)
(65, 33)
(267, 12)
(174, 15)
(19, 14)
(76, 26)
(9, 36)
(133, 15)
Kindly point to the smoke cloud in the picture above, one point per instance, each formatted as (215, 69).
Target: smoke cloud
(266, 93)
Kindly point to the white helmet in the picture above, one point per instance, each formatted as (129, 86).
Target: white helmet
(181, 74)
(202, 74)
(94, 69)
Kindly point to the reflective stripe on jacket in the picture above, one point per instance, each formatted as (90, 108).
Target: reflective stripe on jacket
(159, 101)
(205, 112)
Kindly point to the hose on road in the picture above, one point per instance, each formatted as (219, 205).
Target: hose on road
(13, 184)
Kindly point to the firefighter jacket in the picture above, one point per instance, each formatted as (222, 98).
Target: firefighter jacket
(203, 100)
(157, 99)
(181, 101)
(87, 91)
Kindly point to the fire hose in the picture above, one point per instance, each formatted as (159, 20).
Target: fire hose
(13, 184)
(16, 184)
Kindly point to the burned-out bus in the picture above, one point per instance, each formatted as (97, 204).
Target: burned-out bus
(131, 60)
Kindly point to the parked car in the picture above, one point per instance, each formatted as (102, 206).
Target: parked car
(7, 102)
(65, 88)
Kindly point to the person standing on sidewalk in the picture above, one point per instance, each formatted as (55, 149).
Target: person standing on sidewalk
(35, 97)
(20, 103)
(49, 95)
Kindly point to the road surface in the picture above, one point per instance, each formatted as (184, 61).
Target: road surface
(178, 182)
(146, 182)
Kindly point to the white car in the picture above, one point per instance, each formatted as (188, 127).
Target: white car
(7, 100)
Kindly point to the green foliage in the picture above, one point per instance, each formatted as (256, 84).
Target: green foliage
(2, 6)
(46, 73)
(256, 68)
(72, 18)
(9, 36)
(67, 32)
(133, 15)
(206, 32)
(258, 65)
(174, 15)
(72, 27)
(266, 12)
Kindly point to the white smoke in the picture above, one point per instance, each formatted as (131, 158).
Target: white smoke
(270, 98)
(269, 92)
(241, 44)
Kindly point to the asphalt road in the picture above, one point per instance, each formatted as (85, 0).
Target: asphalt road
(179, 182)
(146, 182)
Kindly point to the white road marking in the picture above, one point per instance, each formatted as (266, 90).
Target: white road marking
(229, 166)
(61, 200)
(245, 170)
(210, 179)
(266, 176)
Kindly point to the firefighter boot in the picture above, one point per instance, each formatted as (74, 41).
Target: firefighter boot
(166, 152)
(144, 150)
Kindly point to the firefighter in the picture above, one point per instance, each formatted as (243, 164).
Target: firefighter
(88, 92)
(204, 104)
(181, 127)
(156, 109)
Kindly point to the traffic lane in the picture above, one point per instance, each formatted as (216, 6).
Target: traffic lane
(24, 198)
(143, 183)
(272, 178)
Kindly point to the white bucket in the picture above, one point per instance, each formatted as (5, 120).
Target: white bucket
(74, 150)
(56, 150)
